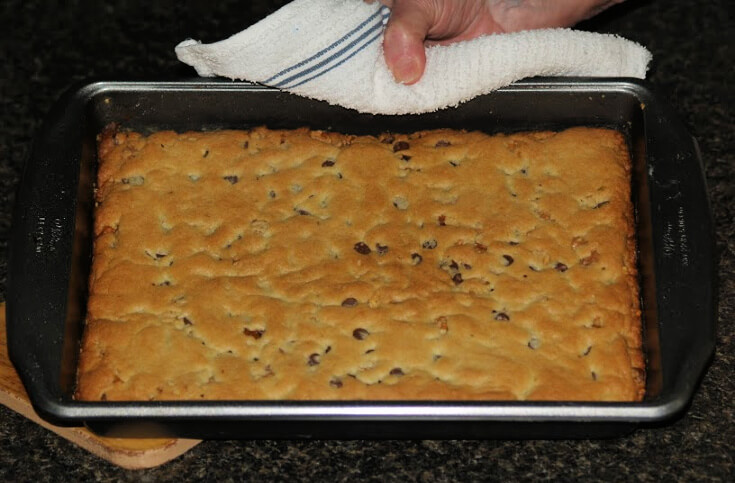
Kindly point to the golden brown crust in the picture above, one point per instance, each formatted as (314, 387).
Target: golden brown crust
(310, 265)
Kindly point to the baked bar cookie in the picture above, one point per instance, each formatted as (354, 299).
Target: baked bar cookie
(277, 265)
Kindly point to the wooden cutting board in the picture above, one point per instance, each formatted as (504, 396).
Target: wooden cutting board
(127, 453)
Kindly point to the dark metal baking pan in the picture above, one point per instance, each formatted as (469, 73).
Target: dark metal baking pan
(51, 246)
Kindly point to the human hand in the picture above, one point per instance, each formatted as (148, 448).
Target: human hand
(415, 24)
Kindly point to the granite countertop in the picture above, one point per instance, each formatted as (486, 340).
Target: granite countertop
(45, 48)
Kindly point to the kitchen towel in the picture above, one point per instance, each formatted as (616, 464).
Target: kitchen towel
(332, 50)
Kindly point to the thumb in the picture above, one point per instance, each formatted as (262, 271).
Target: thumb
(403, 43)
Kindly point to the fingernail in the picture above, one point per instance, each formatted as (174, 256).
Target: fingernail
(407, 70)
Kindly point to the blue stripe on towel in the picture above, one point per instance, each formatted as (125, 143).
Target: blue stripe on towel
(331, 47)
(369, 41)
(368, 33)
(383, 14)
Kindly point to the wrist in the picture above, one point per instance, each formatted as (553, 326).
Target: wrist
(515, 15)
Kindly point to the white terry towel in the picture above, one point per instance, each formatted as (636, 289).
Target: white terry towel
(332, 50)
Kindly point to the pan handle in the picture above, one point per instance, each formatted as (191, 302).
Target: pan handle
(684, 266)
(41, 254)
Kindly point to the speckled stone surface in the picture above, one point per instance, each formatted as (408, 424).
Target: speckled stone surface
(44, 48)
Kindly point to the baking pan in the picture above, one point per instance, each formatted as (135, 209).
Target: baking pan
(51, 250)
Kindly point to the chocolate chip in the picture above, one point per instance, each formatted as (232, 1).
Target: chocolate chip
(405, 157)
(467, 266)
(502, 316)
(442, 220)
(232, 179)
(508, 260)
(396, 371)
(313, 359)
(302, 212)
(327, 163)
(187, 321)
(335, 382)
(429, 244)
(400, 146)
(561, 267)
(349, 302)
(255, 334)
(360, 333)
(329, 348)
(205, 153)
(381, 249)
(416, 259)
(272, 194)
(362, 248)
(594, 375)
(480, 248)
(442, 144)
(388, 139)
(457, 278)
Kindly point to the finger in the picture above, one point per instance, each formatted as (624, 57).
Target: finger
(403, 44)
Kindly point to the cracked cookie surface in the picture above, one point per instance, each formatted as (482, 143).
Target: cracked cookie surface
(303, 264)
